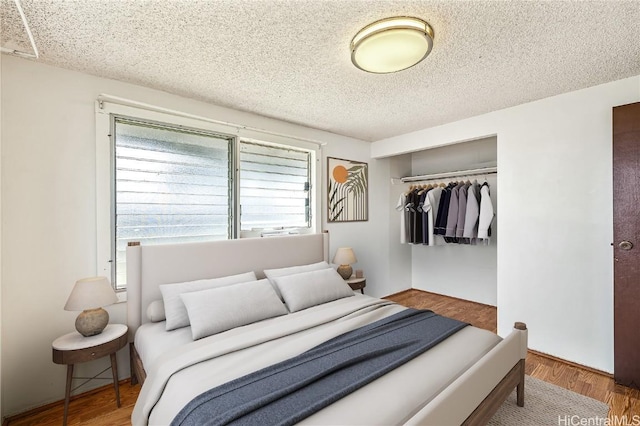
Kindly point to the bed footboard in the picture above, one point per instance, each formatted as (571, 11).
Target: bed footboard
(489, 406)
(476, 395)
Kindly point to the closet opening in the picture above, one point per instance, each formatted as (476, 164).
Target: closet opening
(454, 261)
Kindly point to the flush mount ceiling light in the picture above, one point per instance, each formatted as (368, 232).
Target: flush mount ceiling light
(391, 44)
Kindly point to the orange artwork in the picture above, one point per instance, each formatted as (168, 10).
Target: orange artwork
(347, 190)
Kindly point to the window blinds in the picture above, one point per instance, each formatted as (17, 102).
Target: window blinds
(274, 187)
(171, 185)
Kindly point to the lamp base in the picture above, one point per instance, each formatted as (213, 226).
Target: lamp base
(345, 271)
(92, 321)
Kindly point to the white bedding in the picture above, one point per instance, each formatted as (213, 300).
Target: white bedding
(180, 369)
(152, 340)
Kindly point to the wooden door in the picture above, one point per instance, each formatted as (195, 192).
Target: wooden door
(626, 245)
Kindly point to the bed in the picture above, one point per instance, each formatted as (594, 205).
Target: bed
(461, 380)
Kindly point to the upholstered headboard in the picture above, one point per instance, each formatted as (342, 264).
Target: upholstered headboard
(150, 266)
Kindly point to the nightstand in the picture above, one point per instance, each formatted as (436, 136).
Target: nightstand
(74, 348)
(357, 283)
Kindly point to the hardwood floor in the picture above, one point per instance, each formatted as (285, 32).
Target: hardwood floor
(622, 401)
(99, 407)
(476, 314)
(96, 407)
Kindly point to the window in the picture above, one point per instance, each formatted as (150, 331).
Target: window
(171, 185)
(187, 181)
(274, 187)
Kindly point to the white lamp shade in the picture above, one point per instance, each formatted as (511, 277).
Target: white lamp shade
(344, 256)
(91, 293)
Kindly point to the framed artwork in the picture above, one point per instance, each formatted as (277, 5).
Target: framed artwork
(347, 190)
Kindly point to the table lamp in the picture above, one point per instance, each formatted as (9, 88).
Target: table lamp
(89, 295)
(345, 257)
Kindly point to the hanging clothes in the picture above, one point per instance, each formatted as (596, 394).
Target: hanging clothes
(413, 217)
(410, 209)
(472, 213)
(424, 204)
(452, 214)
(443, 211)
(486, 213)
(402, 202)
(416, 236)
(462, 210)
(458, 213)
(430, 208)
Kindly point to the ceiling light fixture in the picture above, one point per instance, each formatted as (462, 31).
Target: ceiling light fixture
(391, 44)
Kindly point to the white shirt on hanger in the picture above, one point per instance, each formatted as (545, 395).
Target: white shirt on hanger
(430, 206)
(486, 212)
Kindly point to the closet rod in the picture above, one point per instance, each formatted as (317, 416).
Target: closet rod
(472, 172)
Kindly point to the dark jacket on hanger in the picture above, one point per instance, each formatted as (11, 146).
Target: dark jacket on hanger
(416, 213)
(443, 210)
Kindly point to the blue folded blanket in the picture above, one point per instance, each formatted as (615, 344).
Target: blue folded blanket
(287, 392)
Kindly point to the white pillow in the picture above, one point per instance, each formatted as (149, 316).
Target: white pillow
(301, 291)
(155, 311)
(175, 310)
(272, 274)
(219, 309)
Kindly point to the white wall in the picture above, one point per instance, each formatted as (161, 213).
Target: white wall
(464, 271)
(555, 215)
(48, 198)
(370, 240)
(399, 255)
(386, 263)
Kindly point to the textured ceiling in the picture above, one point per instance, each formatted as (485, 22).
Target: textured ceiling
(290, 60)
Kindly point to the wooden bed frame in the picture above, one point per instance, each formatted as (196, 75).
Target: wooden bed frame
(471, 399)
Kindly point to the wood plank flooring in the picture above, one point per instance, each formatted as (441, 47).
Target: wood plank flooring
(99, 407)
(622, 401)
(476, 314)
(96, 407)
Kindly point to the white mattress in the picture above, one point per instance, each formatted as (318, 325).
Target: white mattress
(392, 399)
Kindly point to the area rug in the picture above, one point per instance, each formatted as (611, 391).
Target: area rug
(547, 404)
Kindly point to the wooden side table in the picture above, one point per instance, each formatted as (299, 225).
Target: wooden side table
(357, 284)
(73, 348)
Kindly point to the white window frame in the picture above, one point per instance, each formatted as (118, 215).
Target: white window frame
(314, 197)
(104, 167)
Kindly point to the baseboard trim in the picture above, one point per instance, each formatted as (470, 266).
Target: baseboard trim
(571, 363)
(398, 293)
